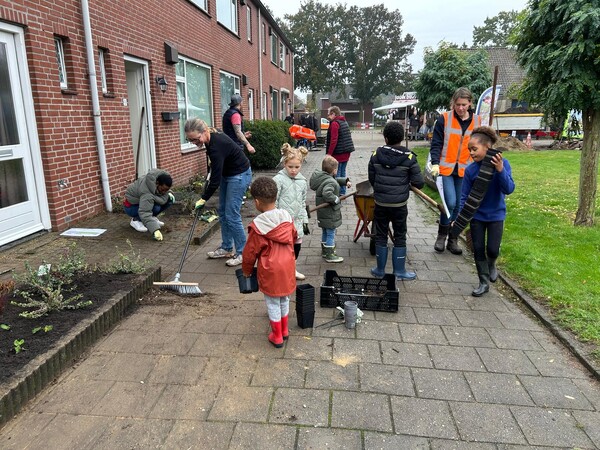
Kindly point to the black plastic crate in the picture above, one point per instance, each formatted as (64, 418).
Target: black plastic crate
(371, 294)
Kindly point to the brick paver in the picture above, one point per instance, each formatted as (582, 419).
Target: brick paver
(446, 371)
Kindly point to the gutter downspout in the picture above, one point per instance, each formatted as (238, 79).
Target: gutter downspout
(87, 28)
(260, 73)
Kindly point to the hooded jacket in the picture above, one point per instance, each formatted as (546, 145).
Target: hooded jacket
(271, 237)
(291, 196)
(327, 188)
(392, 170)
(143, 192)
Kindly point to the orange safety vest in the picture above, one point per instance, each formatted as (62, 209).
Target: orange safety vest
(455, 150)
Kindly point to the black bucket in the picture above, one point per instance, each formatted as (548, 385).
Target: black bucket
(247, 285)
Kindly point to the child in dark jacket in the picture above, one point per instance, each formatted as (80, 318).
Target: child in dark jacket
(393, 169)
(490, 215)
(327, 188)
(271, 237)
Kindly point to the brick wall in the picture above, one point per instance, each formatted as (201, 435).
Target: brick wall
(137, 28)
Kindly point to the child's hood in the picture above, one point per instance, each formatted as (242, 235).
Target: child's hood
(276, 225)
(318, 178)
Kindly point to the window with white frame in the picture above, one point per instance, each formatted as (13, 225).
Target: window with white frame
(194, 95)
(102, 61)
(285, 97)
(227, 14)
(249, 23)
(200, 4)
(59, 48)
(282, 55)
(264, 38)
(275, 105)
(230, 84)
(274, 48)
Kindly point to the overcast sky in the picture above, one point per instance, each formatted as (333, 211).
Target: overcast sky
(429, 21)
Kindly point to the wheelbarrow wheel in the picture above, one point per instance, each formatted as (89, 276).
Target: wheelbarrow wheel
(372, 246)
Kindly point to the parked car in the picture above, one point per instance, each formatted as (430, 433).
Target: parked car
(324, 124)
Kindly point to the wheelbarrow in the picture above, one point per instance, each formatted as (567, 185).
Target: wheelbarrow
(364, 202)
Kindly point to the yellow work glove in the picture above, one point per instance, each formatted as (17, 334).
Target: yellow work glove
(434, 170)
(171, 197)
(200, 203)
(158, 235)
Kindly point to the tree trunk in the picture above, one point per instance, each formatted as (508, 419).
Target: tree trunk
(588, 171)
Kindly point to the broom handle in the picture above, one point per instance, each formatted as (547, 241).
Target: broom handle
(189, 238)
(324, 205)
(427, 198)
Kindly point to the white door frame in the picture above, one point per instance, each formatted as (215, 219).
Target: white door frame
(24, 105)
(251, 104)
(148, 105)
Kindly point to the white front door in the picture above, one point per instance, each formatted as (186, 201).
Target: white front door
(140, 117)
(23, 206)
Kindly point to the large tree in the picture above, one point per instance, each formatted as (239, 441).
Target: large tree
(557, 44)
(495, 31)
(448, 68)
(318, 51)
(376, 52)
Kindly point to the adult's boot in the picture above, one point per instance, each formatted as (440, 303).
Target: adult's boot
(399, 263)
(330, 255)
(275, 336)
(493, 269)
(440, 242)
(483, 272)
(381, 254)
(452, 246)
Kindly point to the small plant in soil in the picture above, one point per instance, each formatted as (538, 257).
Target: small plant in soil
(48, 288)
(130, 262)
(19, 345)
(45, 329)
(4, 327)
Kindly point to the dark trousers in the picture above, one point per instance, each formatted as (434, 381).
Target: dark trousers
(297, 248)
(493, 230)
(384, 215)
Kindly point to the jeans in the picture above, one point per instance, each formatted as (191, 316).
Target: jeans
(452, 187)
(133, 210)
(494, 232)
(341, 173)
(328, 237)
(381, 222)
(232, 190)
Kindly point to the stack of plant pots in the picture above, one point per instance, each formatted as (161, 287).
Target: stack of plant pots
(305, 305)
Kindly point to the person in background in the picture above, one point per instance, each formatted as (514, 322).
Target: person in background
(327, 187)
(393, 169)
(271, 237)
(230, 172)
(487, 224)
(414, 125)
(146, 198)
(449, 156)
(291, 192)
(339, 142)
(290, 119)
(233, 124)
(312, 123)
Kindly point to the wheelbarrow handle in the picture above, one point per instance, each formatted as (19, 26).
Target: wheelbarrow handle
(324, 205)
(428, 199)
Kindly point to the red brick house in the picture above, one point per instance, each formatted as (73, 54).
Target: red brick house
(66, 150)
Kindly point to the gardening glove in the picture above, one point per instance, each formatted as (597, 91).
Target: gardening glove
(171, 197)
(434, 169)
(158, 235)
(200, 203)
(305, 228)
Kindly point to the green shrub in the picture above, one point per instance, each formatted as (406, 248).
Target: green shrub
(267, 138)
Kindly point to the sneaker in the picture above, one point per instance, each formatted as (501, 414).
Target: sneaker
(300, 276)
(220, 253)
(138, 226)
(235, 261)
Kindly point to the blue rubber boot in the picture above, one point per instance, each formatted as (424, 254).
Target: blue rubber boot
(381, 253)
(399, 262)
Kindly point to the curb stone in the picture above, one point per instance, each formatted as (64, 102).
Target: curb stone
(45, 368)
(538, 310)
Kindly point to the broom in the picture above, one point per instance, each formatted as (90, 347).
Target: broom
(176, 285)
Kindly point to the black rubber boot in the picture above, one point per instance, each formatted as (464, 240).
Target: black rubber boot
(493, 270)
(453, 247)
(483, 272)
(440, 242)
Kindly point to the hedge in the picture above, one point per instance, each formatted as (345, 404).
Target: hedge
(267, 138)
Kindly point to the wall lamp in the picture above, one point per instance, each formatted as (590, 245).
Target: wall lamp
(162, 83)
